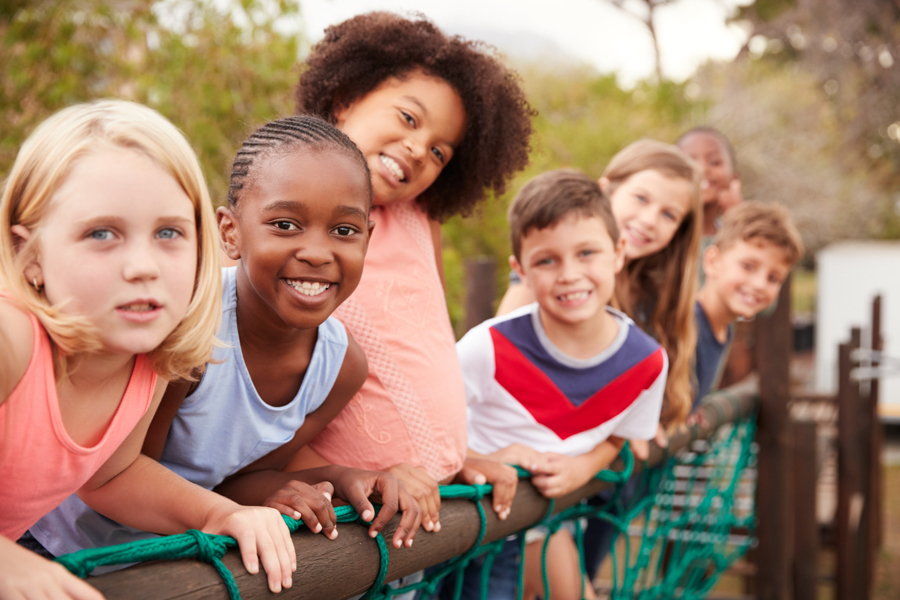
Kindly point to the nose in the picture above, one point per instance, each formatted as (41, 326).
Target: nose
(140, 262)
(569, 270)
(648, 217)
(315, 251)
(415, 145)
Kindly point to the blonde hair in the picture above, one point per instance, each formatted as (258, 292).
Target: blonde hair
(753, 220)
(41, 167)
(659, 291)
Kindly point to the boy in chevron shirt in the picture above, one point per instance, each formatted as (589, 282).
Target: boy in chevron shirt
(555, 387)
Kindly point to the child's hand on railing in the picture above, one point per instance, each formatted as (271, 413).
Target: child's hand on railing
(262, 536)
(25, 576)
(425, 489)
(312, 503)
(517, 454)
(356, 486)
(505, 479)
(555, 475)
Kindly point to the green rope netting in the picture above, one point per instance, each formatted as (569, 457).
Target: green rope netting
(691, 518)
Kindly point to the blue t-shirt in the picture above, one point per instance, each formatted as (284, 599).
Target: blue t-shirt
(709, 361)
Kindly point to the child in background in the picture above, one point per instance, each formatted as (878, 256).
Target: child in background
(721, 187)
(550, 384)
(750, 257)
(297, 223)
(438, 120)
(110, 272)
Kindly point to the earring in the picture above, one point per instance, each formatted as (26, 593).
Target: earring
(37, 287)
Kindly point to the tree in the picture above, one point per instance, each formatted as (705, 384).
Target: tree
(216, 75)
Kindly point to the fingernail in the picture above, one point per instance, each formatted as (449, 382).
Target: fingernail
(373, 533)
(293, 566)
(296, 515)
(276, 588)
(428, 525)
(327, 495)
(253, 568)
(398, 543)
(437, 526)
(287, 582)
(409, 543)
(333, 534)
(318, 528)
(480, 480)
(367, 515)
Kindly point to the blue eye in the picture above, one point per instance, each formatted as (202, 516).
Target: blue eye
(101, 235)
(670, 216)
(641, 198)
(168, 233)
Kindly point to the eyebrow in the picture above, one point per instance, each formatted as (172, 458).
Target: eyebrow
(418, 103)
(350, 211)
(294, 205)
(283, 205)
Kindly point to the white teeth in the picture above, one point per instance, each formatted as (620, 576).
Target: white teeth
(574, 296)
(393, 167)
(308, 288)
(138, 307)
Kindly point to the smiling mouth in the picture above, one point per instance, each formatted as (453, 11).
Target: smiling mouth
(574, 296)
(393, 167)
(308, 288)
(638, 237)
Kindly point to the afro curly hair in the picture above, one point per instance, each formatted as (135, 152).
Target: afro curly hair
(357, 55)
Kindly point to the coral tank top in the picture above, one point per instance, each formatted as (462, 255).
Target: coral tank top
(40, 465)
(412, 406)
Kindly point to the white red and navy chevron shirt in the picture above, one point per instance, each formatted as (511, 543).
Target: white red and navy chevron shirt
(520, 388)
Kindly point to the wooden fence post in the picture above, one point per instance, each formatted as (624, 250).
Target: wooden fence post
(876, 441)
(773, 504)
(850, 497)
(806, 527)
(480, 289)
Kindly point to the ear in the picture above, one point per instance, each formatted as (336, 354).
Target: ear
(620, 255)
(604, 184)
(517, 267)
(33, 273)
(371, 227)
(229, 232)
(710, 261)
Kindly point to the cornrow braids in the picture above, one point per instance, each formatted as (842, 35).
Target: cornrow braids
(282, 135)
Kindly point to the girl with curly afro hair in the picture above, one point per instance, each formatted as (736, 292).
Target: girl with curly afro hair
(441, 121)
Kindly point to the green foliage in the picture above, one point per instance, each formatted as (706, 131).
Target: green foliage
(583, 120)
(215, 75)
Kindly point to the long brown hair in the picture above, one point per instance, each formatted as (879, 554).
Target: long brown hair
(659, 291)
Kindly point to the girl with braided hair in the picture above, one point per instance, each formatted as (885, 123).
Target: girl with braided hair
(297, 223)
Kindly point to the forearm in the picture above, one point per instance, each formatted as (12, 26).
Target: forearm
(148, 496)
(603, 454)
(255, 487)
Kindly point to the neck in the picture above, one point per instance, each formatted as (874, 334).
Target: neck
(97, 369)
(582, 340)
(710, 215)
(717, 314)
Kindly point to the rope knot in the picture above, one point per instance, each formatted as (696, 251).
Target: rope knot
(209, 548)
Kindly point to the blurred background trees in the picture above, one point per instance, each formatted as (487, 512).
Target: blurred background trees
(811, 103)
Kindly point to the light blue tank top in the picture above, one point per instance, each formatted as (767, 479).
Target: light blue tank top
(220, 428)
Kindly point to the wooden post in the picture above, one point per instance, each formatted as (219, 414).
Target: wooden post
(876, 441)
(480, 289)
(806, 528)
(850, 498)
(773, 504)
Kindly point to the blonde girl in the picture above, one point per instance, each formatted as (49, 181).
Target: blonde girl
(109, 287)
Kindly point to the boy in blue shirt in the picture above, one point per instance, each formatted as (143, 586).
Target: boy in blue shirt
(750, 257)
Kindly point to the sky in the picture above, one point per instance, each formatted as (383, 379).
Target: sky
(589, 31)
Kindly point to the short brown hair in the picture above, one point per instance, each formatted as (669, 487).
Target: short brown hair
(550, 197)
(770, 222)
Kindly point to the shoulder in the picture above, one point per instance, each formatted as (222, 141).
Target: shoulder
(354, 369)
(16, 345)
